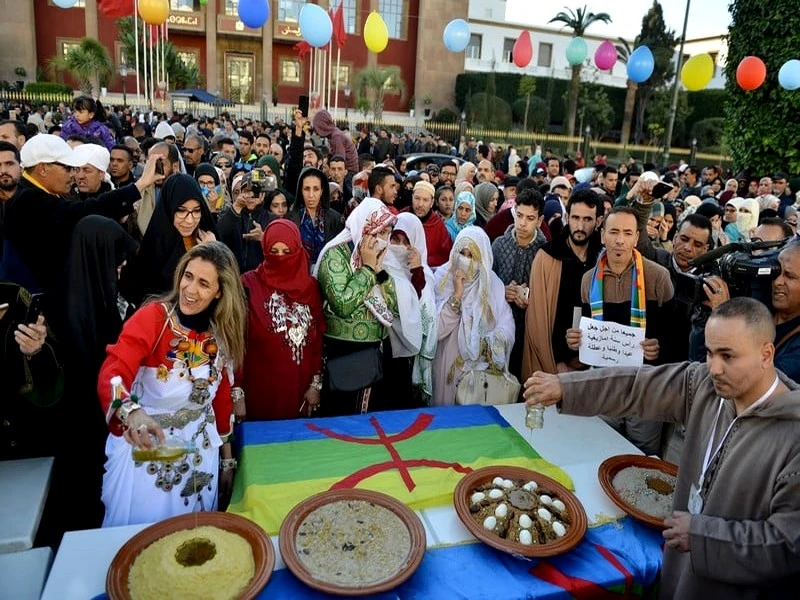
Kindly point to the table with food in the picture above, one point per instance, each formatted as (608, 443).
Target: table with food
(460, 501)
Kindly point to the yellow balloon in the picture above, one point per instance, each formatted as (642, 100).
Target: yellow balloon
(376, 34)
(697, 72)
(154, 12)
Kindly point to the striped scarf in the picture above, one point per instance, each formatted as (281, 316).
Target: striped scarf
(638, 300)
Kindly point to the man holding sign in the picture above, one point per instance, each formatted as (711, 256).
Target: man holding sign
(627, 289)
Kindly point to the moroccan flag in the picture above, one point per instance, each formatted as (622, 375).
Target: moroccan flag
(303, 48)
(339, 33)
(116, 9)
(416, 456)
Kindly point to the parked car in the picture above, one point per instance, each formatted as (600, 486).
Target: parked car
(419, 160)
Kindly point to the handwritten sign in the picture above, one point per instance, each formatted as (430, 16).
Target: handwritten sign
(606, 344)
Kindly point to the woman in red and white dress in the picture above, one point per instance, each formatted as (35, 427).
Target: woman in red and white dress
(169, 376)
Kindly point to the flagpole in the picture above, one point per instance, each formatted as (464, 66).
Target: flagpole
(136, 43)
(166, 38)
(310, 72)
(152, 72)
(336, 94)
(328, 78)
(144, 60)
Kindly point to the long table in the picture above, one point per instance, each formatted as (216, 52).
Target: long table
(618, 556)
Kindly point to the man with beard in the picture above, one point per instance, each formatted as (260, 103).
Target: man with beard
(10, 174)
(555, 287)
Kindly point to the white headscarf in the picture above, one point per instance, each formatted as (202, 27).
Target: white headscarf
(485, 314)
(422, 374)
(746, 222)
(354, 230)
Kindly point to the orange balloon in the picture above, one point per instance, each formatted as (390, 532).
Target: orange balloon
(751, 73)
(154, 12)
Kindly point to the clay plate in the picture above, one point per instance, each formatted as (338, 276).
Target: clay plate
(467, 485)
(611, 466)
(263, 552)
(299, 513)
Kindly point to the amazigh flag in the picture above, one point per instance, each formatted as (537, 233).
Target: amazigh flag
(416, 456)
(116, 9)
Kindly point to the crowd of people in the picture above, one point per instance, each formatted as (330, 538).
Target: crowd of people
(196, 272)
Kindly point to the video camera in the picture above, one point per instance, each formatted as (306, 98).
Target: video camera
(259, 182)
(741, 265)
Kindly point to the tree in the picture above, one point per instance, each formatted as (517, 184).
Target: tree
(594, 108)
(658, 114)
(527, 86)
(661, 42)
(88, 62)
(624, 52)
(180, 74)
(373, 83)
(579, 21)
(761, 126)
(490, 100)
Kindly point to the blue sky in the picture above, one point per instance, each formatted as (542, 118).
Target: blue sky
(706, 17)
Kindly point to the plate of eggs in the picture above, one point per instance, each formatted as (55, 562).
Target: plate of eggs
(520, 511)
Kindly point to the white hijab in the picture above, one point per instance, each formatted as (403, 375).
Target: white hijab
(485, 314)
(422, 374)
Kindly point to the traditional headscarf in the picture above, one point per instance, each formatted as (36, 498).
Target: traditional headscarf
(272, 163)
(485, 314)
(370, 217)
(287, 273)
(463, 186)
(422, 374)
(465, 173)
(453, 226)
(484, 192)
(162, 245)
(99, 246)
(731, 228)
(207, 169)
(746, 222)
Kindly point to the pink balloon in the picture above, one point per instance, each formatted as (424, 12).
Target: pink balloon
(605, 57)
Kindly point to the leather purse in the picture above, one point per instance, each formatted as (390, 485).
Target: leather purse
(356, 371)
(487, 387)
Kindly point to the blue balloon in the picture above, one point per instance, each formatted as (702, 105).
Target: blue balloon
(253, 13)
(640, 64)
(789, 75)
(577, 51)
(65, 3)
(456, 35)
(315, 25)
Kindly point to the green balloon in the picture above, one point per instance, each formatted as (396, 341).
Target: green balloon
(577, 51)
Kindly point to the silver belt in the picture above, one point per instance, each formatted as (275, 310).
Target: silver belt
(181, 418)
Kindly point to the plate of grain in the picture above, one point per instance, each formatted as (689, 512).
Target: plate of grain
(520, 511)
(208, 554)
(641, 486)
(352, 542)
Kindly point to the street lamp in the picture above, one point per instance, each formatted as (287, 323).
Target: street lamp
(462, 131)
(694, 151)
(123, 72)
(586, 138)
(347, 91)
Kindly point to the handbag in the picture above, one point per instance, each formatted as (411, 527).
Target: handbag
(356, 371)
(487, 387)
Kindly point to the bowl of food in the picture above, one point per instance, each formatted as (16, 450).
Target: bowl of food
(205, 554)
(641, 486)
(352, 542)
(520, 511)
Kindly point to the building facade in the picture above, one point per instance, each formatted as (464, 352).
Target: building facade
(247, 65)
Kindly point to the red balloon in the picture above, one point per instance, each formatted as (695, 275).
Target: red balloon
(522, 52)
(751, 73)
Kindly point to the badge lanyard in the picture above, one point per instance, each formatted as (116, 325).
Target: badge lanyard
(695, 498)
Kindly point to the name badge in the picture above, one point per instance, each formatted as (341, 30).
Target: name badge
(695, 501)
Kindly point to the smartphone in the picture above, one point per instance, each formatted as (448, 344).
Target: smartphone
(34, 308)
(661, 189)
(160, 166)
(3, 309)
(303, 105)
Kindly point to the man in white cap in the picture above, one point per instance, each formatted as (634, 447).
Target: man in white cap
(90, 177)
(39, 219)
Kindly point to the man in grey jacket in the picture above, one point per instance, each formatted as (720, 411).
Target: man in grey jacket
(735, 529)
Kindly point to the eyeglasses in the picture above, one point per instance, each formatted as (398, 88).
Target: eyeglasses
(187, 149)
(183, 214)
(224, 165)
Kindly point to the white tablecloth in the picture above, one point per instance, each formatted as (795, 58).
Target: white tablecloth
(23, 490)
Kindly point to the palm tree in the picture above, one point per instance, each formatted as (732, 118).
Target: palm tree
(624, 52)
(373, 83)
(579, 21)
(88, 62)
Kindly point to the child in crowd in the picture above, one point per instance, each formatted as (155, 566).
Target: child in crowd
(89, 120)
